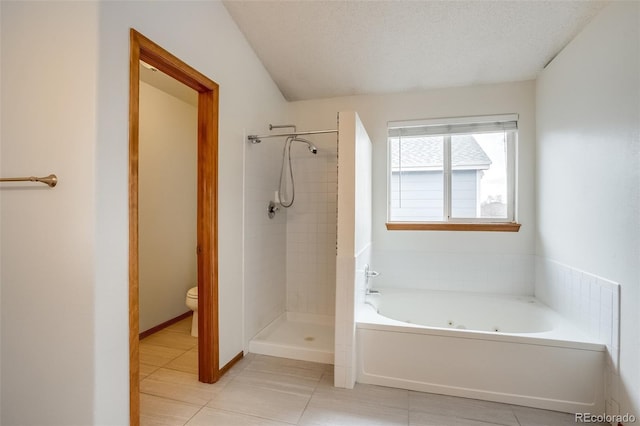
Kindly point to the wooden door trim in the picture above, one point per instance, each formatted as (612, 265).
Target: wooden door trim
(141, 48)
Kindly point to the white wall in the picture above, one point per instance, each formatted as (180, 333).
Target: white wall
(203, 35)
(354, 239)
(588, 180)
(65, 97)
(49, 114)
(167, 204)
(467, 261)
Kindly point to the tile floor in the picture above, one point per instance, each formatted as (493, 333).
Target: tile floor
(262, 390)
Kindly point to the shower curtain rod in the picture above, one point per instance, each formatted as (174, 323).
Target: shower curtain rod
(257, 138)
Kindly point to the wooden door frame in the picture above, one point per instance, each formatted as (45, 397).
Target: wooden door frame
(141, 48)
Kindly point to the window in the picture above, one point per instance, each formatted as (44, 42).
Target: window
(455, 172)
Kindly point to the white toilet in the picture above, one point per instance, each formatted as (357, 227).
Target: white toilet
(192, 303)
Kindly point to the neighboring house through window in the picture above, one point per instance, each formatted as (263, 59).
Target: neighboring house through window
(459, 170)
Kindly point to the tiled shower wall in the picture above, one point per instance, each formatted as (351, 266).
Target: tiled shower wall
(311, 230)
(264, 239)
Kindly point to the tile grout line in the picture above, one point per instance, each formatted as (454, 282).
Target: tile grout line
(250, 415)
(315, 388)
(172, 359)
(195, 414)
(515, 415)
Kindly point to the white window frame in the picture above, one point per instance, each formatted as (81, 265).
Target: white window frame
(460, 125)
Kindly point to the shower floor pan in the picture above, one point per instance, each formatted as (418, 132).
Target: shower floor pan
(297, 336)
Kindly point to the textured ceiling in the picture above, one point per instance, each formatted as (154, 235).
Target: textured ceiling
(319, 49)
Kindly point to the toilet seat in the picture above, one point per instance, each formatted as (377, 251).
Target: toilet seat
(192, 293)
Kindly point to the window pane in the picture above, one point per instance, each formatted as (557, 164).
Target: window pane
(416, 179)
(479, 175)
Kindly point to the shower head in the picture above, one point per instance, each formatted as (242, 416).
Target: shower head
(311, 146)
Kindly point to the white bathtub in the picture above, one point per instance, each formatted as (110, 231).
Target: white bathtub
(510, 349)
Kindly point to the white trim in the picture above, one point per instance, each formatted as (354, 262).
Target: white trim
(478, 202)
(459, 126)
(389, 171)
(501, 118)
(446, 195)
(474, 220)
(511, 175)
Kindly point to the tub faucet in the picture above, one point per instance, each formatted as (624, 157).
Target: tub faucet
(368, 273)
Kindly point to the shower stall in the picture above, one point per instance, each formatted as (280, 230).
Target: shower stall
(304, 272)
(290, 243)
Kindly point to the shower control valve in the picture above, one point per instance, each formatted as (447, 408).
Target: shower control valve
(272, 208)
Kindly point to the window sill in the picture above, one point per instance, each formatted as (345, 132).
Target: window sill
(424, 226)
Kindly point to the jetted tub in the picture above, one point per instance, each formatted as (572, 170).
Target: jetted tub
(511, 349)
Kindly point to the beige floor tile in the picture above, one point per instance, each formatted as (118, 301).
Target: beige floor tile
(187, 362)
(160, 411)
(260, 402)
(463, 408)
(325, 411)
(146, 369)
(533, 417)
(366, 394)
(326, 380)
(211, 416)
(157, 355)
(180, 386)
(171, 339)
(240, 366)
(279, 382)
(182, 326)
(417, 418)
(292, 367)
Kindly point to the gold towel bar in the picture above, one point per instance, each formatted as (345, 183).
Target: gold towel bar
(51, 180)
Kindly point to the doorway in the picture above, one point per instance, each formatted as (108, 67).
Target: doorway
(141, 48)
